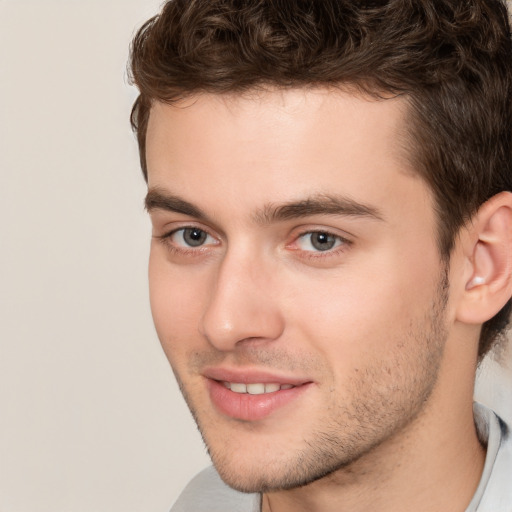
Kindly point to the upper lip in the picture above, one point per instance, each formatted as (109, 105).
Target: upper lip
(250, 376)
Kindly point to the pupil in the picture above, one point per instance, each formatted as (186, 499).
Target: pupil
(194, 237)
(322, 241)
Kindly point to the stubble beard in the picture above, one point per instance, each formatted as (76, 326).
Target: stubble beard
(387, 397)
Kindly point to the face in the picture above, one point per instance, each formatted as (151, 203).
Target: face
(295, 282)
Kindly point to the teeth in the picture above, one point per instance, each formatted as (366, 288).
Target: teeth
(238, 388)
(271, 388)
(255, 388)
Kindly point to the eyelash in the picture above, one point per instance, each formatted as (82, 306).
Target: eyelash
(342, 243)
(165, 239)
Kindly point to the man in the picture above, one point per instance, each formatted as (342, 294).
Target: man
(329, 187)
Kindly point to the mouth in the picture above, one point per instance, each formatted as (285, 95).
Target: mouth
(256, 388)
(253, 396)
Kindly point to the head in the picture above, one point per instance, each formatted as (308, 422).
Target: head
(254, 122)
(450, 60)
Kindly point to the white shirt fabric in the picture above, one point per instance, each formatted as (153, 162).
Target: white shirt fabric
(208, 493)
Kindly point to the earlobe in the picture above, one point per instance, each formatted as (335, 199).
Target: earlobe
(489, 286)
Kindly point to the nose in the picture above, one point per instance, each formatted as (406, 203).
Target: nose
(242, 305)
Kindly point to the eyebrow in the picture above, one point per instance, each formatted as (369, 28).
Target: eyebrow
(157, 199)
(318, 204)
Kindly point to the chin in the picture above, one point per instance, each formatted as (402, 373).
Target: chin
(275, 477)
(266, 469)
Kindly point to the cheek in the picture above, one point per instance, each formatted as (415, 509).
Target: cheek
(365, 308)
(176, 305)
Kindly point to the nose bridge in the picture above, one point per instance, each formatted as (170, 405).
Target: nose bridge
(242, 304)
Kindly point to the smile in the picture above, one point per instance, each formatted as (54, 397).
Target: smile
(256, 388)
(254, 401)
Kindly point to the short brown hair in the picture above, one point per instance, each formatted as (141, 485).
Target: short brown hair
(451, 59)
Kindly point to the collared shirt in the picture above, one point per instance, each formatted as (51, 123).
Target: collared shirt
(494, 492)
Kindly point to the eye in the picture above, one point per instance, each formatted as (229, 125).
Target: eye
(191, 237)
(318, 241)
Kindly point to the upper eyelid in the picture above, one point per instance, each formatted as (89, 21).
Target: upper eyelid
(199, 248)
(329, 233)
(160, 219)
(166, 240)
(320, 230)
(344, 245)
(345, 236)
(309, 226)
(317, 256)
(343, 240)
(302, 231)
(167, 232)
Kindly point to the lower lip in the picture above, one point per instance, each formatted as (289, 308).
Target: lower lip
(247, 407)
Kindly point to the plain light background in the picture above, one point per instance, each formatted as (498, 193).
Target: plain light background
(90, 417)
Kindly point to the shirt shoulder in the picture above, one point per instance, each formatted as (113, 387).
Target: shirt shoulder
(206, 492)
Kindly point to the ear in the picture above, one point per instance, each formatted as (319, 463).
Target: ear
(488, 256)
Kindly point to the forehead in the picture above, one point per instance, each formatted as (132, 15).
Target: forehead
(280, 145)
(277, 119)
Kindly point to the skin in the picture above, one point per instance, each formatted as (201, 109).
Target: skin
(370, 324)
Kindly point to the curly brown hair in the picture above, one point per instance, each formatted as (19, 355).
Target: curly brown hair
(451, 59)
